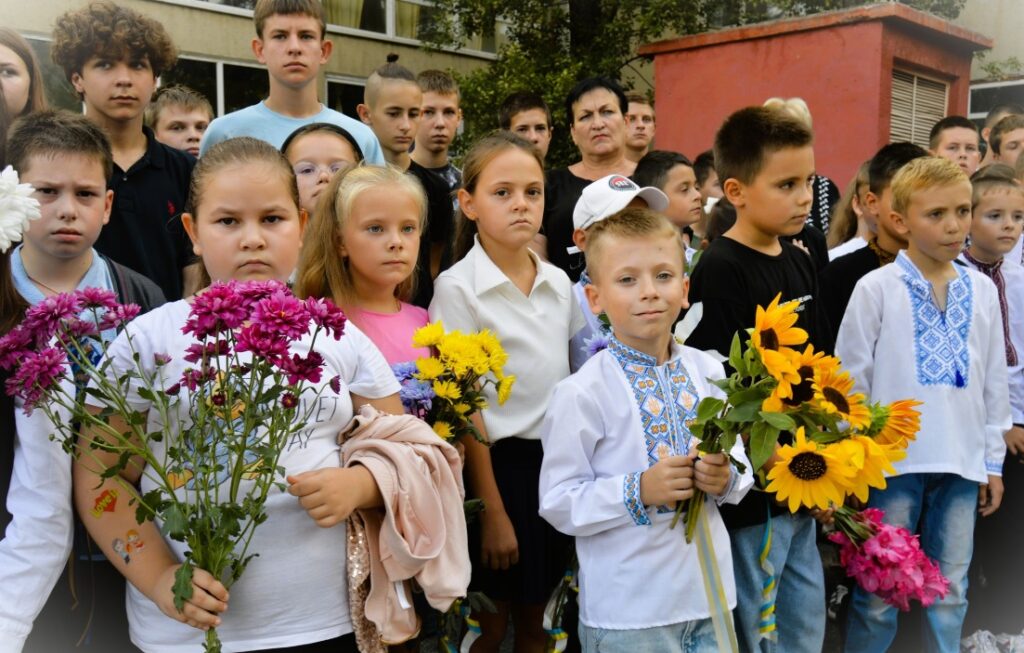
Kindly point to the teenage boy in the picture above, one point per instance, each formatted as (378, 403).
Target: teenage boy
(391, 107)
(179, 117)
(766, 162)
(994, 115)
(956, 138)
(113, 55)
(928, 329)
(673, 174)
(440, 116)
(290, 43)
(1007, 139)
(639, 126)
(841, 274)
(527, 115)
(67, 159)
(612, 474)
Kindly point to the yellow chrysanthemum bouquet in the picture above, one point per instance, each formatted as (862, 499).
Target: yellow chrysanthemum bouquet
(840, 444)
(444, 389)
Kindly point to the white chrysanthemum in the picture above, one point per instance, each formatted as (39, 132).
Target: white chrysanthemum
(17, 208)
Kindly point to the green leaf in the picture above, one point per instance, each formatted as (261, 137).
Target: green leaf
(781, 421)
(175, 522)
(745, 412)
(762, 444)
(182, 585)
(708, 408)
(736, 353)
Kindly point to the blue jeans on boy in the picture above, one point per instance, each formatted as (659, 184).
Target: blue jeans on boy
(943, 509)
(687, 637)
(799, 586)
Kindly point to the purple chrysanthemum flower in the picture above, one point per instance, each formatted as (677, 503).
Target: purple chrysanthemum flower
(209, 349)
(161, 359)
(404, 371)
(14, 347)
(257, 340)
(335, 384)
(303, 368)
(218, 309)
(595, 343)
(98, 298)
(254, 291)
(326, 315)
(282, 313)
(193, 378)
(39, 371)
(43, 319)
(118, 316)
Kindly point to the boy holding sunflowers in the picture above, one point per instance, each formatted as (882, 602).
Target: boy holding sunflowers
(927, 328)
(619, 455)
(765, 160)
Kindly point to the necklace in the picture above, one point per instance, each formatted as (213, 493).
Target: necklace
(43, 285)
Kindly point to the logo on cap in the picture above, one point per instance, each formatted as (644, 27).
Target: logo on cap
(619, 182)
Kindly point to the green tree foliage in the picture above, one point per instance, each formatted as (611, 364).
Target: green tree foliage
(552, 44)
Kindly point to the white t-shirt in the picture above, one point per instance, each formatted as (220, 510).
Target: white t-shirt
(295, 591)
(534, 330)
(850, 246)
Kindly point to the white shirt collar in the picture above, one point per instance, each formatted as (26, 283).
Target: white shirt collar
(489, 276)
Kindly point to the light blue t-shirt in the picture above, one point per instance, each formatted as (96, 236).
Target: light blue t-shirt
(260, 122)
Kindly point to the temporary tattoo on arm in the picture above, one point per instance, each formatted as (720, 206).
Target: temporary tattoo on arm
(105, 502)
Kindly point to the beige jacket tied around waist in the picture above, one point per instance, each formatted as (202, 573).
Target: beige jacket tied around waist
(420, 535)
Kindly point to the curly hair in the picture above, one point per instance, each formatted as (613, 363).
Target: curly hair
(104, 29)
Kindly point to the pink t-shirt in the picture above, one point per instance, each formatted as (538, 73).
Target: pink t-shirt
(392, 332)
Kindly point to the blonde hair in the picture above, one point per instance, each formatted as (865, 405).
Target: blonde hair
(844, 225)
(632, 222)
(794, 106)
(323, 271)
(923, 172)
(997, 176)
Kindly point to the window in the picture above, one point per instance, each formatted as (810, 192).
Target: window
(228, 86)
(917, 104)
(986, 96)
(200, 76)
(345, 95)
(369, 15)
(59, 92)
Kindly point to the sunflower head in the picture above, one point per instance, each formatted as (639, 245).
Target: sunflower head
(786, 394)
(901, 423)
(833, 394)
(773, 335)
(808, 475)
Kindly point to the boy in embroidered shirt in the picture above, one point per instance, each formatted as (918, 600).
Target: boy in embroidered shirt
(614, 466)
(928, 329)
(599, 200)
(290, 43)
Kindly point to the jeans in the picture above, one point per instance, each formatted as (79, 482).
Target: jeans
(687, 637)
(943, 509)
(799, 586)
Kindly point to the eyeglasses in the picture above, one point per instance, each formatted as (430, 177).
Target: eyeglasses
(307, 170)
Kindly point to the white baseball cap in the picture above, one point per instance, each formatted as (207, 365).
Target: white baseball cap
(610, 195)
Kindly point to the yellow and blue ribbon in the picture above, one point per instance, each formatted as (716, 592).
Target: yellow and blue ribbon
(714, 587)
(766, 624)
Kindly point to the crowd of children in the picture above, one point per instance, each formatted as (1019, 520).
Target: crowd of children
(914, 277)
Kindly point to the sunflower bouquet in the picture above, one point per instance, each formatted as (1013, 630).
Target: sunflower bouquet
(446, 388)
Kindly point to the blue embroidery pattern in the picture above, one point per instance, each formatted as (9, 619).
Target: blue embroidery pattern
(940, 338)
(667, 401)
(631, 497)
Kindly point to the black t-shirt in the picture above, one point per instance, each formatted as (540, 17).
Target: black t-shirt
(838, 280)
(732, 280)
(561, 193)
(440, 230)
(145, 231)
(815, 242)
(6, 450)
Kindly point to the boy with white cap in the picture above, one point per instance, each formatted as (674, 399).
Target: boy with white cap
(599, 200)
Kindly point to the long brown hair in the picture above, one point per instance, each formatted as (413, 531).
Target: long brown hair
(477, 159)
(323, 271)
(844, 223)
(12, 304)
(21, 47)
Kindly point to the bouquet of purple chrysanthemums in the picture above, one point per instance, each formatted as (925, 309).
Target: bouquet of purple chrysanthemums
(223, 422)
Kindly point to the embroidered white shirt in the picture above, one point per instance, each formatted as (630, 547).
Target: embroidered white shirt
(896, 344)
(605, 425)
(534, 330)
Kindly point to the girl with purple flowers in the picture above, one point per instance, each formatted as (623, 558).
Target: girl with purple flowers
(245, 224)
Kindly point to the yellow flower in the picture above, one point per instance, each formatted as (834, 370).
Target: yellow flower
(505, 388)
(902, 423)
(870, 462)
(447, 390)
(492, 347)
(461, 408)
(771, 336)
(443, 430)
(808, 476)
(790, 395)
(460, 354)
(428, 336)
(429, 368)
(832, 394)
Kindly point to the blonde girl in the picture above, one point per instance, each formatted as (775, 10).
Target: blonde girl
(501, 285)
(362, 254)
(245, 224)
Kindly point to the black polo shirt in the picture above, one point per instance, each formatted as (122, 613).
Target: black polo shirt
(145, 231)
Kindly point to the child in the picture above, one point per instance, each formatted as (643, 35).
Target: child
(1007, 139)
(956, 138)
(440, 116)
(113, 55)
(179, 117)
(290, 43)
(317, 152)
(639, 126)
(300, 557)
(391, 106)
(997, 221)
(598, 201)
(611, 478)
(994, 115)
(527, 115)
(361, 253)
(21, 80)
(852, 223)
(929, 329)
(673, 174)
(766, 162)
(841, 275)
(501, 285)
(710, 191)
